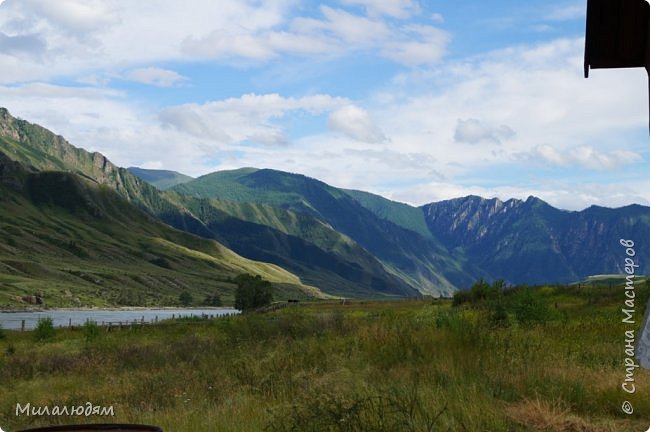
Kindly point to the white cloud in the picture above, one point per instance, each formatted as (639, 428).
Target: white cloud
(83, 37)
(73, 38)
(156, 76)
(247, 118)
(421, 45)
(584, 156)
(594, 159)
(567, 12)
(546, 153)
(75, 17)
(393, 8)
(356, 123)
(472, 131)
(437, 18)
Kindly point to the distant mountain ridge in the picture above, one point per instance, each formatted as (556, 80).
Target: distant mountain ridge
(521, 241)
(354, 243)
(529, 241)
(162, 179)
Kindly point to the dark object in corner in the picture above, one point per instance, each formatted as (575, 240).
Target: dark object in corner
(97, 428)
(617, 34)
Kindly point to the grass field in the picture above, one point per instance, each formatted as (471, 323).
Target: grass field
(366, 366)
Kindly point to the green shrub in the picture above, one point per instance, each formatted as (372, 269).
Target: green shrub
(3, 335)
(213, 300)
(44, 329)
(185, 298)
(529, 307)
(461, 297)
(252, 292)
(499, 315)
(91, 330)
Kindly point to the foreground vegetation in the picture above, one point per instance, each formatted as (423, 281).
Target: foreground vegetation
(490, 363)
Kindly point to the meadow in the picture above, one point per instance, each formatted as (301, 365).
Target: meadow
(542, 359)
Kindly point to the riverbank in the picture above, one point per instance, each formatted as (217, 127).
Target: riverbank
(61, 317)
(117, 308)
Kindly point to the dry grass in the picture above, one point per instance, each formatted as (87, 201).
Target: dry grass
(541, 415)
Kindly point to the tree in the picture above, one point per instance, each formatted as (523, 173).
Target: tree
(213, 300)
(185, 298)
(252, 292)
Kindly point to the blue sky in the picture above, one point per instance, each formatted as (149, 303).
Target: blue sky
(417, 101)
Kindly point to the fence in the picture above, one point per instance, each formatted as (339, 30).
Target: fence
(110, 325)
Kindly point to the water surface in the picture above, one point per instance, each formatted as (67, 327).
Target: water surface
(61, 318)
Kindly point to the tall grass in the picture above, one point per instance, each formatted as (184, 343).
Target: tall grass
(369, 366)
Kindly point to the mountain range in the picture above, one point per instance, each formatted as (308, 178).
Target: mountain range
(315, 238)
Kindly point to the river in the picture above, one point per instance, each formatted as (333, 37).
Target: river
(64, 317)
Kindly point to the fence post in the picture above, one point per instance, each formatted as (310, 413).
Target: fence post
(22, 325)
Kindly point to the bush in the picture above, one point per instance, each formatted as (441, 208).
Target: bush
(44, 329)
(529, 307)
(252, 292)
(3, 335)
(91, 330)
(185, 298)
(213, 300)
(480, 291)
(499, 315)
(461, 297)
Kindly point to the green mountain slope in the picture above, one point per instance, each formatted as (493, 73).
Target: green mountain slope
(404, 215)
(79, 243)
(41, 150)
(162, 179)
(419, 261)
(306, 246)
(322, 257)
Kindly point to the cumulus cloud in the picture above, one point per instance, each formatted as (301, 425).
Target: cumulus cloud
(247, 118)
(156, 76)
(356, 123)
(75, 37)
(73, 17)
(472, 131)
(337, 32)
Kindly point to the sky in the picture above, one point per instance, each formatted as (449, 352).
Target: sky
(418, 101)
